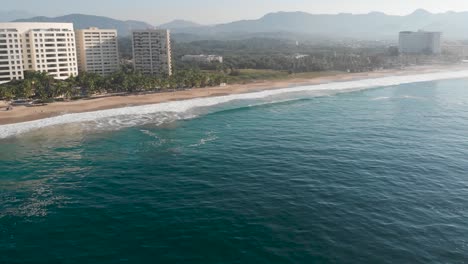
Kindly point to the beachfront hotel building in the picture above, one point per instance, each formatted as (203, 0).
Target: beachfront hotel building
(152, 51)
(97, 50)
(44, 47)
(420, 42)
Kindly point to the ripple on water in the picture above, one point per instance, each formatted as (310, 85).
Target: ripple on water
(334, 179)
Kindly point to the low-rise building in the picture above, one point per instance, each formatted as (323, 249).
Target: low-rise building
(203, 58)
(300, 56)
(457, 49)
(97, 50)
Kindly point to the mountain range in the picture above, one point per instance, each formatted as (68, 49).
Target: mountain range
(180, 24)
(85, 21)
(371, 26)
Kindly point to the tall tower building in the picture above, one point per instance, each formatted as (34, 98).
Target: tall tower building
(152, 51)
(97, 50)
(45, 47)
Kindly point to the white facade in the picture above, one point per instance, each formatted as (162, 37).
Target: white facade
(11, 55)
(459, 50)
(300, 56)
(420, 42)
(152, 51)
(203, 58)
(97, 50)
(45, 47)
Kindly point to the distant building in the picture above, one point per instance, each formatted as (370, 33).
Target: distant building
(203, 58)
(420, 42)
(152, 51)
(97, 50)
(44, 47)
(300, 56)
(457, 49)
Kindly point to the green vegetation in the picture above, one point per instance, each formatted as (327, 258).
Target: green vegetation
(311, 75)
(44, 88)
(251, 75)
(245, 60)
(277, 54)
(263, 58)
(301, 57)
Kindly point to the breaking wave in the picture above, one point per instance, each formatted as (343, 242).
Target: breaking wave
(170, 111)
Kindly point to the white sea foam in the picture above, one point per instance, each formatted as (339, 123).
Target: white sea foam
(397, 98)
(380, 98)
(158, 141)
(210, 136)
(121, 115)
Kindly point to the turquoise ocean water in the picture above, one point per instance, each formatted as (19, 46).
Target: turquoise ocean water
(371, 176)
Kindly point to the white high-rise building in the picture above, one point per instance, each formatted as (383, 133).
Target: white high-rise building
(45, 47)
(420, 42)
(97, 50)
(11, 55)
(152, 51)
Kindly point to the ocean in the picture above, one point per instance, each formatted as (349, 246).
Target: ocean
(356, 172)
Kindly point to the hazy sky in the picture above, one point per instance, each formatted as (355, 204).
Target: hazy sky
(217, 11)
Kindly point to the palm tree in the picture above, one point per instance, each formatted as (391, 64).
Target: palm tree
(42, 85)
(24, 89)
(64, 89)
(164, 83)
(7, 92)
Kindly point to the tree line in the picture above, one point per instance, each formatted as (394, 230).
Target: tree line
(282, 55)
(44, 88)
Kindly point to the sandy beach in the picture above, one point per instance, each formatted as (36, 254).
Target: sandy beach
(23, 113)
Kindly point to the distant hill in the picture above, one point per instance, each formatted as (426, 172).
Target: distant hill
(227, 36)
(7, 16)
(292, 25)
(80, 21)
(179, 23)
(375, 25)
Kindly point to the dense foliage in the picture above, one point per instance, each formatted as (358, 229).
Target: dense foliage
(42, 87)
(292, 56)
(299, 57)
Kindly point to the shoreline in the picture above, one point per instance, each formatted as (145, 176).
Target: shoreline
(23, 114)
